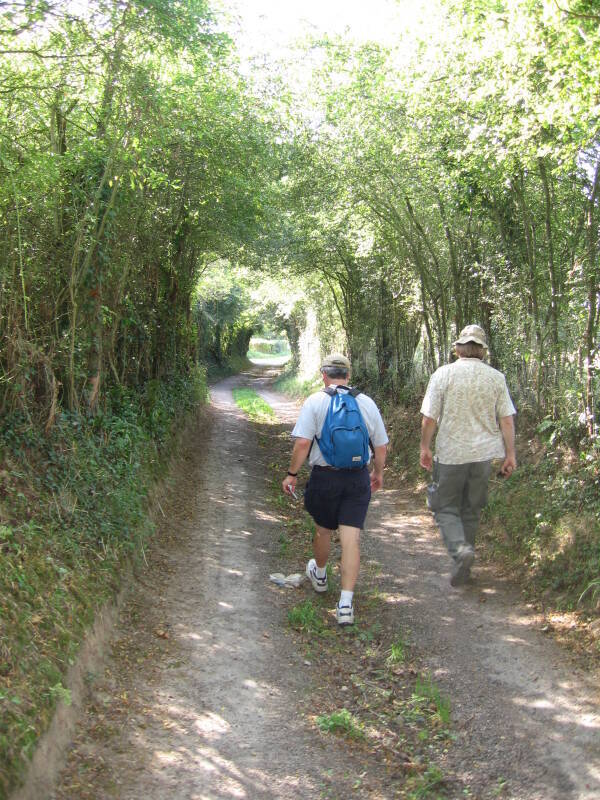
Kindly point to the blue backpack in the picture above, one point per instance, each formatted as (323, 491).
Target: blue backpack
(344, 440)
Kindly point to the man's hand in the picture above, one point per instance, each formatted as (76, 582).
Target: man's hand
(376, 481)
(299, 456)
(507, 426)
(379, 455)
(428, 426)
(289, 484)
(509, 466)
(426, 459)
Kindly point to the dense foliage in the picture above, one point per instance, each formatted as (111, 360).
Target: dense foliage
(132, 154)
(453, 180)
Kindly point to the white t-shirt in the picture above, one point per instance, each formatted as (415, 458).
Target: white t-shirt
(467, 399)
(312, 418)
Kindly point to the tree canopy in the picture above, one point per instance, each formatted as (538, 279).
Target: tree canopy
(407, 190)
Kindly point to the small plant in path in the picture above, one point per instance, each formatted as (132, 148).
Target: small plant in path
(341, 722)
(367, 686)
(305, 617)
(425, 689)
(430, 785)
(397, 653)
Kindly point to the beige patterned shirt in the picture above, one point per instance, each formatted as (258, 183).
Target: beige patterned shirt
(467, 399)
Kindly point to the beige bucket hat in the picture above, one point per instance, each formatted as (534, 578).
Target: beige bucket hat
(472, 333)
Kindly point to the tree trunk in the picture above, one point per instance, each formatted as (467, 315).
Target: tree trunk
(593, 304)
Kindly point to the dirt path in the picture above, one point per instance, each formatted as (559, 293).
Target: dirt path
(205, 691)
(524, 713)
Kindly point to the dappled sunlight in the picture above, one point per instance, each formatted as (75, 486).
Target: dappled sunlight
(213, 730)
(211, 725)
(232, 766)
(515, 640)
(521, 617)
(395, 599)
(203, 731)
(527, 703)
(484, 630)
(222, 710)
(168, 759)
(564, 711)
(179, 178)
(264, 515)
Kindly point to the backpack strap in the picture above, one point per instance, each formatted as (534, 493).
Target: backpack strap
(331, 391)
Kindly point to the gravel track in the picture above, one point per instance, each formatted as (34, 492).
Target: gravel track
(216, 707)
(525, 713)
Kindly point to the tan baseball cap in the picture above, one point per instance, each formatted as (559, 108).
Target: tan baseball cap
(336, 360)
(472, 333)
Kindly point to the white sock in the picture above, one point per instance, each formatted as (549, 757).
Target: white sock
(345, 598)
(320, 571)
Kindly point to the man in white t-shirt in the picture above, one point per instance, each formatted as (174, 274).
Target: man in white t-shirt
(469, 405)
(336, 498)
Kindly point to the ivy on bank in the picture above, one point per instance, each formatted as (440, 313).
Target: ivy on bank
(73, 507)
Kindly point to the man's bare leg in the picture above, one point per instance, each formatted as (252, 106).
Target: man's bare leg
(322, 546)
(350, 542)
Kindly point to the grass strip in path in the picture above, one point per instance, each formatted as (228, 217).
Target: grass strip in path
(253, 405)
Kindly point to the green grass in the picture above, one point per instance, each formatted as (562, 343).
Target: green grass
(268, 347)
(284, 545)
(253, 405)
(365, 675)
(426, 692)
(290, 384)
(342, 722)
(535, 524)
(397, 653)
(429, 785)
(258, 355)
(306, 617)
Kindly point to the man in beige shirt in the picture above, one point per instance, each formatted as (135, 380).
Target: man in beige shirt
(468, 403)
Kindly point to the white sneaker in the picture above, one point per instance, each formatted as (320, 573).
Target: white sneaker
(318, 584)
(462, 566)
(344, 615)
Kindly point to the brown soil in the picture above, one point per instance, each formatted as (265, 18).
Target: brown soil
(207, 695)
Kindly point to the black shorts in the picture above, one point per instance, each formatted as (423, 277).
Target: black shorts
(335, 497)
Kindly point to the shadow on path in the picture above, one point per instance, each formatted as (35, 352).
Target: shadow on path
(523, 712)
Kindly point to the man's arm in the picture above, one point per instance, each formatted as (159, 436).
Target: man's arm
(379, 455)
(299, 456)
(507, 426)
(428, 427)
